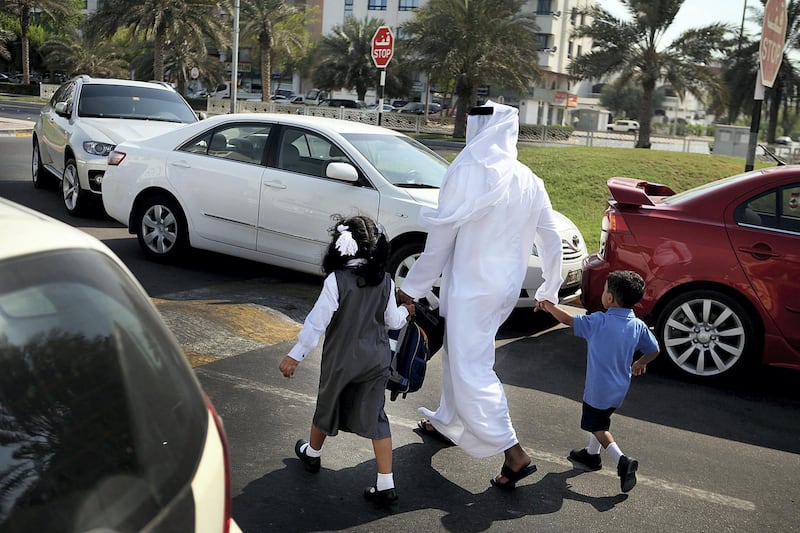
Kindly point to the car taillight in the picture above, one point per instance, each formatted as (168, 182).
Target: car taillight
(226, 523)
(614, 222)
(115, 158)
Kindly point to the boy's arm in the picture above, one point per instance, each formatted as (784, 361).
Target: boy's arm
(560, 315)
(639, 366)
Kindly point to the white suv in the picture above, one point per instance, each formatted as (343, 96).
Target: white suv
(624, 125)
(86, 118)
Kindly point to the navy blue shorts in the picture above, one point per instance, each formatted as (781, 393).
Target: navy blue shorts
(594, 419)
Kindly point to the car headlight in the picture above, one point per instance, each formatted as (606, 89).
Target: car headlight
(98, 148)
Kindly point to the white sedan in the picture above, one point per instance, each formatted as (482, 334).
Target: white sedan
(264, 186)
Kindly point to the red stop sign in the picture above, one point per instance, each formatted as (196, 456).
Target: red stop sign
(773, 36)
(382, 46)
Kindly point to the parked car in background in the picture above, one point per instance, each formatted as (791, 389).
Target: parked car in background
(85, 119)
(387, 108)
(784, 140)
(104, 424)
(264, 186)
(341, 102)
(418, 108)
(630, 126)
(721, 263)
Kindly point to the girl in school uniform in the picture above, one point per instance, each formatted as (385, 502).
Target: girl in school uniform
(355, 310)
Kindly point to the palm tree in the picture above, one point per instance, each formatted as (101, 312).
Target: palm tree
(78, 54)
(632, 50)
(344, 57)
(196, 22)
(475, 42)
(274, 24)
(6, 36)
(23, 10)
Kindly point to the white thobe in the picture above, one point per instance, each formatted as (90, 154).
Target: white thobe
(483, 262)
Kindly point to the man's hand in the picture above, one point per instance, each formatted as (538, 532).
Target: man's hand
(403, 298)
(287, 367)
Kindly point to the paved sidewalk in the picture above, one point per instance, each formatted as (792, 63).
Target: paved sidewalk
(15, 128)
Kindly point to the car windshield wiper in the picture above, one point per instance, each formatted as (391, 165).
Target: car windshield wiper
(416, 186)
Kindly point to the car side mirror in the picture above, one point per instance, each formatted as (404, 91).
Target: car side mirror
(62, 108)
(341, 171)
(202, 115)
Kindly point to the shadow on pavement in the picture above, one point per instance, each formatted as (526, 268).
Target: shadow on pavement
(332, 500)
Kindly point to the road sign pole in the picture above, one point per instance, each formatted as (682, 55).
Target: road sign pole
(380, 100)
(755, 123)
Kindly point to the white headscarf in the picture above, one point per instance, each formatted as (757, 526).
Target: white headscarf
(479, 177)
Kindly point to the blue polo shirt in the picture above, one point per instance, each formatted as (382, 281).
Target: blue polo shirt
(612, 338)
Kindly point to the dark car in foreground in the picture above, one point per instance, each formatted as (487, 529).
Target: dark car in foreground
(721, 263)
(103, 424)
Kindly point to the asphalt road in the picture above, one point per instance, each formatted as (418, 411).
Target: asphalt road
(722, 457)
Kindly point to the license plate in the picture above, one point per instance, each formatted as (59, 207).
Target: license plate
(573, 278)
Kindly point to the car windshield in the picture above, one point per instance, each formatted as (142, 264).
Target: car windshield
(403, 161)
(706, 188)
(137, 103)
(97, 403)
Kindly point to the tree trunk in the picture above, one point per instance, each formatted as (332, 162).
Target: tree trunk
(25, 23)
(266, 72)
(646, 114)
(158, 55)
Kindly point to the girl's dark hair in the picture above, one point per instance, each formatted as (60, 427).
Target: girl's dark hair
(372, 246)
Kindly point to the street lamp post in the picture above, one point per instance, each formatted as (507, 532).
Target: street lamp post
(235, 64)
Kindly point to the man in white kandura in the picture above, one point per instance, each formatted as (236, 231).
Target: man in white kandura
(491, 210)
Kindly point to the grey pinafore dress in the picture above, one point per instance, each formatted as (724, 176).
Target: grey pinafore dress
(355, 362)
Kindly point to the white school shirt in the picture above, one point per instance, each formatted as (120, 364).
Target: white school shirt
(320, 316)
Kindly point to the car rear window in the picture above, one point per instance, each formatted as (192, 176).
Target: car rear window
(133, 102)
(102, 421)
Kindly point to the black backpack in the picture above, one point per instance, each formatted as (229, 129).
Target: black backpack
(412, 348)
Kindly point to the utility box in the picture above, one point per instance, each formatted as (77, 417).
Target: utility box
(731, 140)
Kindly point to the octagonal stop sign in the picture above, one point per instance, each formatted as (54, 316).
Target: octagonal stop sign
(773, 36)
(382, 46)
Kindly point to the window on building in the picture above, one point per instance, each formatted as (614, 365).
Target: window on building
(542, 39)
(569, 49)
(348, 8)
(408, 5)
(580, 50)
(543, 7)
(376, 5)
(573, 16)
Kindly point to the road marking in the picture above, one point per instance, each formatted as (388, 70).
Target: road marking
(661, 484)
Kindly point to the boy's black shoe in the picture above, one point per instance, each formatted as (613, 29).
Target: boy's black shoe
(590, 461)
(626, 469)
(380, 497)
(312, 464)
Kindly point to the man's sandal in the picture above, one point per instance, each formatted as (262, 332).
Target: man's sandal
(512, 476)
(425, 427)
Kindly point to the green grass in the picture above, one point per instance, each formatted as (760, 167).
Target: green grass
(575, 177)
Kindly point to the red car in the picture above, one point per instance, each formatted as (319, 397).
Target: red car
(721, 263)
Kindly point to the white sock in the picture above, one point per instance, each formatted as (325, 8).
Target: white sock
(309, 451)
(594, 446)
(385, 481)
(614, 451)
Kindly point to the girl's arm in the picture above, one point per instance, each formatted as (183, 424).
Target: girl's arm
(317, 320)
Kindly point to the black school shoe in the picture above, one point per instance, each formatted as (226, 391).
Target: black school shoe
(312, 464)
(626, 469)
(590, 461)
(380, 497)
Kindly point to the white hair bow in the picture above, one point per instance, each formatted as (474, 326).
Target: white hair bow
(346, 244)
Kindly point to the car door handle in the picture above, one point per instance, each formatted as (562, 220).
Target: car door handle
(274, 185)
(181, 164)
(759, 252)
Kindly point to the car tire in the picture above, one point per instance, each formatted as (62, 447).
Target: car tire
(161, 229)
(400, 262)
(706, 334)
(41, 176)
(75, 198)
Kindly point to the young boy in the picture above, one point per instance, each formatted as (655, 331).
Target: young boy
(612, 339)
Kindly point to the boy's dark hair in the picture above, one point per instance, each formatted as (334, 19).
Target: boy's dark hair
(626, 286)
(372, 246)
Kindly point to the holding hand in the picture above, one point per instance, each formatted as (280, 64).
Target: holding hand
(412, 309)
(287, 366)
(403, 298)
